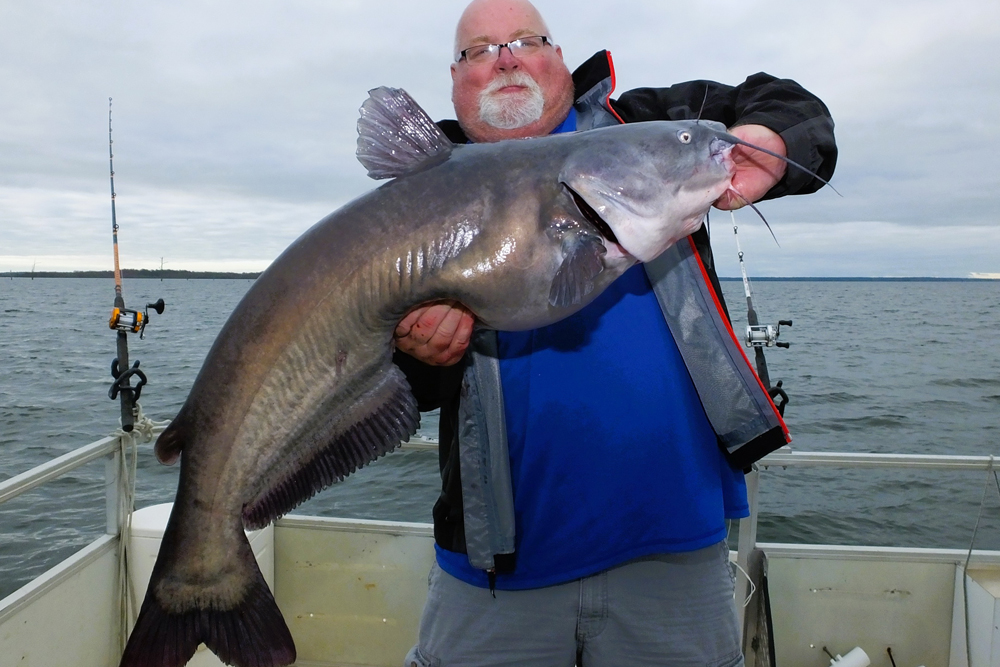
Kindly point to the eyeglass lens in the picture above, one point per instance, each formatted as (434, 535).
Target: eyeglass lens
(483, 53)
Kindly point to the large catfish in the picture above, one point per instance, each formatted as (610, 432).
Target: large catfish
(299, 389)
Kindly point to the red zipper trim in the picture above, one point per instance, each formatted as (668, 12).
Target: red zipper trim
(607, 99)
(729, 328)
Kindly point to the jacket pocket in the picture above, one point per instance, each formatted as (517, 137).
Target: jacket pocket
(417, 658)
(731, 660)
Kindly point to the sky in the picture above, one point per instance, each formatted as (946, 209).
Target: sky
(235, 122)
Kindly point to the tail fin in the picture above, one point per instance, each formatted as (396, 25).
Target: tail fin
(251, 634)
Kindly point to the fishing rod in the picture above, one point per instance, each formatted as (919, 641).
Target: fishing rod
(759, 336)
(124, 321)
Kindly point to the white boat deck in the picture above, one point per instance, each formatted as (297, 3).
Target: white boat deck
(351, 591)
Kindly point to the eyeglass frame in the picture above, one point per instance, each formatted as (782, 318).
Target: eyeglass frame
(546, 40)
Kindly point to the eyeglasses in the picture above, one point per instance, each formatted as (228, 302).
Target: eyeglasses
(487, 53)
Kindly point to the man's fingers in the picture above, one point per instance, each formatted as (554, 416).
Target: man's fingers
(429, 321)
(437, 334)
(755, 172)
(464, 333)
(446, 344)
(448, 325)
(457, 340)
(405, 324)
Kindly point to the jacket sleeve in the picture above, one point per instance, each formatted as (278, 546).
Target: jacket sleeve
(432, 386)
(782, 105)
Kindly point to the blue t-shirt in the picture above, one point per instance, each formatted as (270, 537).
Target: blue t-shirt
(612, 456)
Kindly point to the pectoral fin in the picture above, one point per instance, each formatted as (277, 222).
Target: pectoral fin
(170, 443)
(582, 262)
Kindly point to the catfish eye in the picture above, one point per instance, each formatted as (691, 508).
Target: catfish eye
(684, 136)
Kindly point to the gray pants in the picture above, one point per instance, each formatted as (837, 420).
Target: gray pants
(673, 610)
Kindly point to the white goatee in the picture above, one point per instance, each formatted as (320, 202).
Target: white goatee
(509, 111)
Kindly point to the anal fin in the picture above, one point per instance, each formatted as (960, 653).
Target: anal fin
(383, 416)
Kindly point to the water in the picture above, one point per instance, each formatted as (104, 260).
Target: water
(907, 367)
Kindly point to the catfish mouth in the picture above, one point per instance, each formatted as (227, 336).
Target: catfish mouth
(720, 149)
(592, 217)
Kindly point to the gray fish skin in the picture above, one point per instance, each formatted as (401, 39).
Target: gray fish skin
(306, 355)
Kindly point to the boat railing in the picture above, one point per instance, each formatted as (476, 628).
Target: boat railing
(108, 448)
(786, 457)
(111, 449)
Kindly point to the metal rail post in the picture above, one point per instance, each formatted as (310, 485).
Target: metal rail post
(747, 543)
(112, 489)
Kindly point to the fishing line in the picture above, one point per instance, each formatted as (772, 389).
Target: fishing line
(756, 210)
(128, 457)
(753, 587)
(743, 270)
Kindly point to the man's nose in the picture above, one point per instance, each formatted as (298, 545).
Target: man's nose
(506, 59)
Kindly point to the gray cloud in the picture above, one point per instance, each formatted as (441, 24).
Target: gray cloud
(235, 122)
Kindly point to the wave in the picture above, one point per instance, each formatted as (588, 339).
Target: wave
(974, 383)
(844, 424)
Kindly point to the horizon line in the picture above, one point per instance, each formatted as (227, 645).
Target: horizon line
(169, 274)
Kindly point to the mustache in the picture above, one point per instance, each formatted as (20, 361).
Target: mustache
(512, 79)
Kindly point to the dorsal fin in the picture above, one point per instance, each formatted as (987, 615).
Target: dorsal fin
(396, 136)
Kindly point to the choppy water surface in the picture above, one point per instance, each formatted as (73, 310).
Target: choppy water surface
(906, 367)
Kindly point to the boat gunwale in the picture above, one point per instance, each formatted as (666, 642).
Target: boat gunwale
(110, 448)
(784, 457)
(57, 467)
(374, 526)
(55, 576)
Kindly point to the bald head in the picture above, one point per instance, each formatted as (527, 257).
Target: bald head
(481, 14)
(513, 96)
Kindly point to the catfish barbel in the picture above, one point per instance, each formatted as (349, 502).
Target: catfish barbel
(299, 389)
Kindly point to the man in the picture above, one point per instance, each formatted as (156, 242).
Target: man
(585, 495)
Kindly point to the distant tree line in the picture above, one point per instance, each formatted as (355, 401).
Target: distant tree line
(134, 273)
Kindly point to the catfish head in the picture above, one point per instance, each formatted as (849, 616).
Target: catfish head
(647, 185)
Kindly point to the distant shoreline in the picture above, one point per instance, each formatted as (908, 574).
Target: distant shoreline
(173, 274)
(859, 279)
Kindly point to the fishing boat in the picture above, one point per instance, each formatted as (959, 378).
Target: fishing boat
(352, 590)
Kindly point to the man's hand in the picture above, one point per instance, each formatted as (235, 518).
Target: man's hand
(436, 334)
(756, 172)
